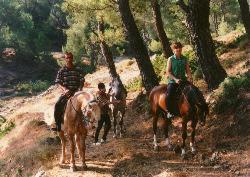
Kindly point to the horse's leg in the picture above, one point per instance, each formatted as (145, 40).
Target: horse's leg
(193, 125)
(155, 119)
(83, 150)
(115, 112)
(79, 146)
(63, 142)
(184, 136)
(72, 152)
(167, 140)
(121, 123)
(80, 138)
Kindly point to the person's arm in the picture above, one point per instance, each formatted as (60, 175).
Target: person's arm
(169, 71)
(189, 74)
(59, 81)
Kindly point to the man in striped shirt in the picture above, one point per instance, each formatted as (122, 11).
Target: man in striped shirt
(70, 80)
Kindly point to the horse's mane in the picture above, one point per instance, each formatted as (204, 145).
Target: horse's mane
(195, 96)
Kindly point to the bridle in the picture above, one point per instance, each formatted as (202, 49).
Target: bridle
(86, 120)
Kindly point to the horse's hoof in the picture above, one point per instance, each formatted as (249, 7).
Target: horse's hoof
(183, 156)
(84, 167)
(121, 135)
(73, 168)
(170, 147)
(114, 136)
(156, 148)
(193, 151)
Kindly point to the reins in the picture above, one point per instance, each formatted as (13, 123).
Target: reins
(85, 118)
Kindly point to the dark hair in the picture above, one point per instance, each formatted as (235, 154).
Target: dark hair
(176, 45)
(69, 54)
(101, 85)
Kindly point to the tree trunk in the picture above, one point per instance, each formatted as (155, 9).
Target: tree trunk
(160, 29)
(147, 72)
(197, 17)
(245, 15)
(108, 55)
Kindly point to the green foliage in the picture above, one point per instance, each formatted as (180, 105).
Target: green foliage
(228, 98)
(160, 65)
(192, 59)
(29, 27)
(198, 74)
(155, 46)
(224, 15)
(32, 87)
(134, 85)
(6, 129)
(224, 28)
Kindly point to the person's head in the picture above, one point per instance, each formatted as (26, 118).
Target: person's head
(101, 87)
(68, 57)
(177, 48)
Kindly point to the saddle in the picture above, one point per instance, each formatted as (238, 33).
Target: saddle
(177, 95)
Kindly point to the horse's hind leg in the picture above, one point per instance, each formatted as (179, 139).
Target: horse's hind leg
(193, 125)
(72, 152)
(155, 119)
(166, 126)
(63, 142)
(184, 136)
(115, 122)
(121, 115)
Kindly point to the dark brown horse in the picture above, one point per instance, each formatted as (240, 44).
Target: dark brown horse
(192, 107)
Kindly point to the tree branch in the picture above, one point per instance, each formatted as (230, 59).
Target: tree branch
(183, 6)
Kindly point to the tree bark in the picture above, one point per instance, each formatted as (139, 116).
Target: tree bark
(149, 78)
(108, 55)
(245, 15)
(197, 17)
(160, 29)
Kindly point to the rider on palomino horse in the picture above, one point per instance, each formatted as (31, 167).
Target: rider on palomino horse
(177, 68)
(70, 80)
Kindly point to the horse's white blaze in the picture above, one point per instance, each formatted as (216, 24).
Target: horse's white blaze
(183, 152)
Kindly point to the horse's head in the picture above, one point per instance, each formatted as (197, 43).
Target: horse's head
(196, 99)
(117, 89)
(202, 113)
(92, 112)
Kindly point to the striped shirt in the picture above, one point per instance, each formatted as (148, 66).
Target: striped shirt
(103, 100)
(70, 78)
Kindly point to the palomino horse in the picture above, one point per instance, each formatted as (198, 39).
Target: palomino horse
(81, 110)
(191, 105)
(118, 92)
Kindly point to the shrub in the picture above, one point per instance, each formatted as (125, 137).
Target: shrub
(134, 85)
(228, 99)
(32, 87)
(193, 62)
(155, 47)
(160, 65)
(6, 128)
(198, 74)
(224, 28)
